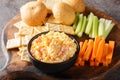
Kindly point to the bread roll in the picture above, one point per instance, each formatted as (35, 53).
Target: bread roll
(77, 5)
(49, 4)
(33, 13)
(63, 13)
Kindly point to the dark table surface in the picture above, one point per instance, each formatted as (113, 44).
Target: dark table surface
(10, 8)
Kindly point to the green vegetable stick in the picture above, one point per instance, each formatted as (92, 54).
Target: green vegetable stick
(107, 23)
(102, 20)
(89, 24)
(79, 26)
(76, 21)
(83, 26)
(95, 27)
(108, 30)
(90, 34)
(101, 28)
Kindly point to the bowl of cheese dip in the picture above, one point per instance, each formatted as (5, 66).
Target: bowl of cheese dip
(53, 52)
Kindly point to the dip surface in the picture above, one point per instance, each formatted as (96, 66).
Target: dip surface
(53, 47)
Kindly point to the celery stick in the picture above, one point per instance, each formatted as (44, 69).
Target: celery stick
(79, 26)
(95, 27)
(83, 26)
(102, 20)
(89, 24)
(76, 21)
(90, 34)
(108, 30)
(101, 27)
(107, 23)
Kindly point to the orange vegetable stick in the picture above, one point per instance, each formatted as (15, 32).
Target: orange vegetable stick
(88, 50)
(96, 63)
(82, 63)
(95, 47)
(111, 50)
(76, 64)
(84, 47)
(77, 61)
(100, 50)
(105, 63)
(81, 45)
(92, 63)
(105, 52)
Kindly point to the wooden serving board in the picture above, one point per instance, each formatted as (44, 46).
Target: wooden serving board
(18, 69)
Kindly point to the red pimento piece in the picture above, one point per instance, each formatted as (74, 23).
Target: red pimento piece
(32, 51)
(63, 50)
(38, 40)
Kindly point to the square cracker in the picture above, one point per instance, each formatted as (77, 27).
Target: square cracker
(23, 53)
(60, 27)
(25, 40)
(24, 29)
(13, 43)
(40, 29)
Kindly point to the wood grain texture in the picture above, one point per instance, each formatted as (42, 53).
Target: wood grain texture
(85, 72)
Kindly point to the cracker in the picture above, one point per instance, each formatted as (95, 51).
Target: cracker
(25, 40)
(18, 24)
(24, 29)
(17, 35)
(68, 29)
(53, 27)
(23, 53)
(19, 53)
(60, 27)
(13, 43)
(20, 50)
(40, 29)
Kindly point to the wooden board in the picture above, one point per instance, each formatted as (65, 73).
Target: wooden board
(17, 67)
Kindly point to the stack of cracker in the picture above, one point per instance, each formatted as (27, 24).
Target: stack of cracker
(25, 33)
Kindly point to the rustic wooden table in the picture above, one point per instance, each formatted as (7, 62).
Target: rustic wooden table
(10, 8)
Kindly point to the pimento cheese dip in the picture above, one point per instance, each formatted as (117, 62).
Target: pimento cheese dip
(53, 47)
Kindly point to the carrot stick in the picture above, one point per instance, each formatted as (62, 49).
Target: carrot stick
(76, 64)
(82, 63)
(105, 63)
(100, 50)
(84, 47)
(111, 50)
(105, 52)
(96, 63)
(77, 61)
(81, 53)
(92, 63)
(81, 45)
(88, 50)
(95, 47)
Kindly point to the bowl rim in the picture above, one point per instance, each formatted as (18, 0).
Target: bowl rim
(64, 62)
